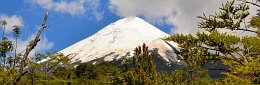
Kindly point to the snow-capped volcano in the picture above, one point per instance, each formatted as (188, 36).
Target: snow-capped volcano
(119, 39)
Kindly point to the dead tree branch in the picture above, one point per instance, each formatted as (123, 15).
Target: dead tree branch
(29, 48)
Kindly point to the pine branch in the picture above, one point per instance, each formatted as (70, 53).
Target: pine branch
(246, 30)
(224, 57)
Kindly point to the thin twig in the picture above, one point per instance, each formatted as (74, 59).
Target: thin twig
(250, 3)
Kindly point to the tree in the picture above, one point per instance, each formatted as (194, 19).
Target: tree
(4, 23)
(6, 46)
(16, 32)
(140, 70)
(240, 54)
(97, 74)
(51, 71)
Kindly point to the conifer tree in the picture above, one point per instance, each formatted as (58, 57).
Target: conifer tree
(241, 55)
(142, 72)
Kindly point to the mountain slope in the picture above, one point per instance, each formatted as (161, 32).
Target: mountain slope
(118, 40)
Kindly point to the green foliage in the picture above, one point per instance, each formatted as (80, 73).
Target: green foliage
(143, 71)
(193, 77)
(101, 73)
(16, 31)
(240, 54)
(255, 23)
(140, 70)
(6, 77)
(230, 17)
(5, 47)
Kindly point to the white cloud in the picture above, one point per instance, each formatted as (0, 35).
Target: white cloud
(72, 7)
(152, 10)
(182, 14)
(186, 20)
(94, 6)
(98, 15)
(11, 21)
(43, 45)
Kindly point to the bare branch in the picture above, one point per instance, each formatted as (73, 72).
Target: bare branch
(34, 42)
(29, 48)
(245, 1)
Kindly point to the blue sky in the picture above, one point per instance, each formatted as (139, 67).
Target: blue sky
(73, 20)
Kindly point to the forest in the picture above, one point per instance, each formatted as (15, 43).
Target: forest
(202, 52)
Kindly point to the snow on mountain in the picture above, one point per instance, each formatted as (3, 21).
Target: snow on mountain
(119, 39)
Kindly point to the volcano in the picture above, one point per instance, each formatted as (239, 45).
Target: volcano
(118, 40)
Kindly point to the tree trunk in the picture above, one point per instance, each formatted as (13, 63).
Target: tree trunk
(15, 52)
